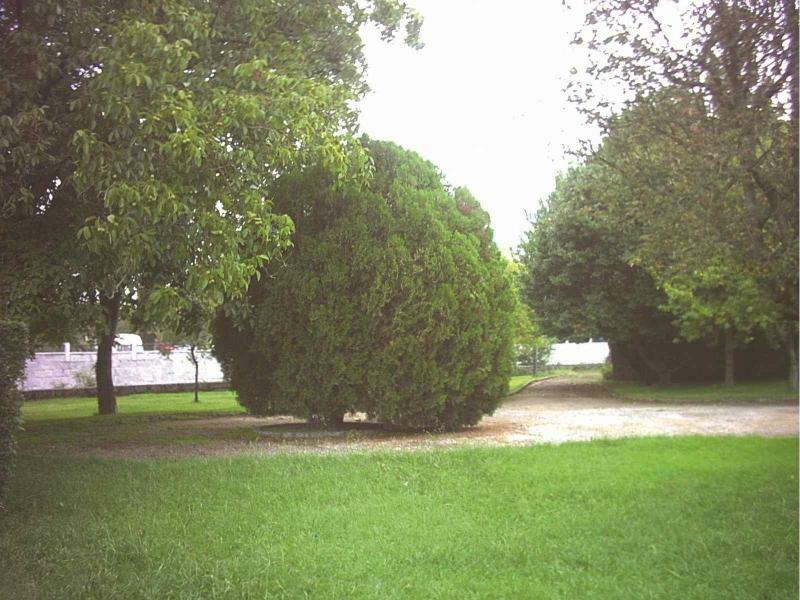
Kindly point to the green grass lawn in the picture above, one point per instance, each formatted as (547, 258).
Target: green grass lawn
(639, 518)
(157, 419)
(135, 404)
(518, 382)
(758, 391)
(147, 419)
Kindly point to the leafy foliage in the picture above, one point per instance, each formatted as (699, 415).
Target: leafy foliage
(723, 256)
(13, 352)
(580, 283)
(705, 139)
(532, 347)
(138, 140)
(582, 279)
(577, 276)
(394, 301)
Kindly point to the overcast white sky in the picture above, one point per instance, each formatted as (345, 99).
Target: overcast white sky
(483, 100)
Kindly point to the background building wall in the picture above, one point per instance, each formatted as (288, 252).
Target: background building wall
(72, 370)
(587, 353)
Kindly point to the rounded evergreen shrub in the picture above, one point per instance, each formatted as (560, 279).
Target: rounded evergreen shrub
(394, 301)
(13, 351)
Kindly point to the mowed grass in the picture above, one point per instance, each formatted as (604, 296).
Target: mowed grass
(162, 419)
(754, 391)
(517, 382)
(219, 402)
(638, 518)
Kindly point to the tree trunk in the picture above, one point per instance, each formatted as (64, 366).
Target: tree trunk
(794, 101)
(794, 115)
(535, 358)
(664, 377)
(659, 367)
(334, 420)
(730, 346)
(791, 350)
(621, 367)
(106, 398)
(196, 373)
(331, 420)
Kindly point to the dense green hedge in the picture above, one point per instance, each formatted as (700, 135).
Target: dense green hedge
(394, 301)
(13, 351)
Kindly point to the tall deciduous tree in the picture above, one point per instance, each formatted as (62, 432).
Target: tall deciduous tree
(578, 279)
(711, 141)
(725, 268)
(138, 139)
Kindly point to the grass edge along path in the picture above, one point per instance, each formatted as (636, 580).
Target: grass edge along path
(759, 392)
(657, 517)
(517, 383)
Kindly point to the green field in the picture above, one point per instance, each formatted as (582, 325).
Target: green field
(135, 404)
(637, 518)
(154, 419)
(756, 392)
(640, 518)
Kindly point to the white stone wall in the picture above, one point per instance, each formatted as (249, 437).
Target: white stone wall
(587, 353)
(65, 370)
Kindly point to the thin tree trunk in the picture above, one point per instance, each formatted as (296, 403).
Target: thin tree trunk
(331, 420)
(660, 368)
(106, 398)
(794, 101)
(196, 373)
(792, 352)
(730, 346)
(334, 420)
(794, 116)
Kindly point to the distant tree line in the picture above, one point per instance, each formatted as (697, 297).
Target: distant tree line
(677, 237)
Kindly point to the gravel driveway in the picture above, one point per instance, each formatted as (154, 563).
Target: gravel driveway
(567, 409)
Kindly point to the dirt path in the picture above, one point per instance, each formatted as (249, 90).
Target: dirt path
(561, 409)
(552, 411)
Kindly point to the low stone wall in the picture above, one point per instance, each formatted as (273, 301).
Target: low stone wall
(75, 370)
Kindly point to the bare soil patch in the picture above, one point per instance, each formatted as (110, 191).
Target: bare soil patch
(556, 410)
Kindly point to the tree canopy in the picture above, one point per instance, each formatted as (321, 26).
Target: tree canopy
(582, 278)
(138, 141)
(394, 301)
(705, 141)
(578, 278)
